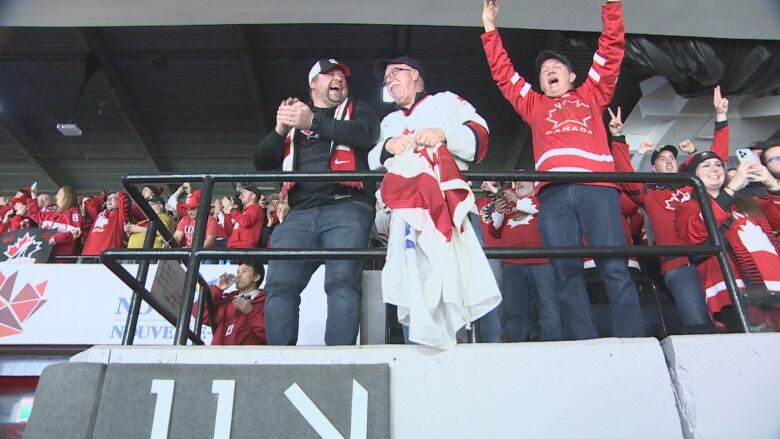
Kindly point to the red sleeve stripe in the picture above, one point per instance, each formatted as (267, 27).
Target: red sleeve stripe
(481, 135)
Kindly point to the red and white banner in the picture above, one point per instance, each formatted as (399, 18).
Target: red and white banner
(86, 304)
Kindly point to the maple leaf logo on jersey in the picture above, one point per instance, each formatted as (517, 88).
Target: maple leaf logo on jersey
(16, 308)
(675, 198)
(524, 212)
(567, 111)
(100, 222)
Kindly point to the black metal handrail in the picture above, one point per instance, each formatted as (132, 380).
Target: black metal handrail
(197, 253)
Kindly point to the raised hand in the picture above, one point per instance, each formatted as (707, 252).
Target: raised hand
(615, 123)
(225, 280)
(686, 146)
(489, 14)
(721, 105)
(744, 175)
(646, 146)
(490, 186)
(296, 114)
(281, 116)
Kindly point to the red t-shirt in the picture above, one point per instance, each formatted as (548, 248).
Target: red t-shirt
(187, 226)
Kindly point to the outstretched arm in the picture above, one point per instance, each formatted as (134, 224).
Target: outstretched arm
(489, 14)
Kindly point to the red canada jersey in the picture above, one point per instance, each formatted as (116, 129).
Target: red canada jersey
(568, 132)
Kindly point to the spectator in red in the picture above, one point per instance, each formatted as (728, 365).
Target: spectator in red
(660, 202)
(64, 221)
(244, 227)
(186, 226)
(747, 226)
(108, 227)
(180, 209)
(241, 312)
(219, 216)
(514, 223)
(15, 217)
(44, 202)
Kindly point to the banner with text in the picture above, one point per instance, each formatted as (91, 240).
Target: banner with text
(85, 304)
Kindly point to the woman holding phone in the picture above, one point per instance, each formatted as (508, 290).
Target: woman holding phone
(746, 224)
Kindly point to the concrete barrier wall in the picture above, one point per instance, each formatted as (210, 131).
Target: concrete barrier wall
(728, 386)
(606, 388)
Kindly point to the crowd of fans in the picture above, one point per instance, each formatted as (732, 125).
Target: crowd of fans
(541, 297)
(86, 226)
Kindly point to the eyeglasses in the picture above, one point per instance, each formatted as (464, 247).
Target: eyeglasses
(393, 74)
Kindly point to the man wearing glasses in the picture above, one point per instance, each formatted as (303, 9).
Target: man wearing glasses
(771, 156)
(434, 257)
(423, 119)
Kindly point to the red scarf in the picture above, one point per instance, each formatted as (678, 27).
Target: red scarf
(342, 157)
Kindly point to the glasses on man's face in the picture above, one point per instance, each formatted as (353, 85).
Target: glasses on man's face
(393, 72)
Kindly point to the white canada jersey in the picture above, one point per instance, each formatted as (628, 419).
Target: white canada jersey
(465, 130)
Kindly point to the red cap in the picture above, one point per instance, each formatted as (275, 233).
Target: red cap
(193, 201)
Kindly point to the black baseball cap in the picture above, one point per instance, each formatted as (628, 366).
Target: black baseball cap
(325, 65)
(548, 54)
(658, 150)
(381, 64)
(156, 199)
(694, 160)
(251, 188)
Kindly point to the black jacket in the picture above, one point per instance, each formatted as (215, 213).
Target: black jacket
(313, 155)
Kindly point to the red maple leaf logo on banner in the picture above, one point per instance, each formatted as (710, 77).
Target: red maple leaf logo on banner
(18, 307)
(569, 111)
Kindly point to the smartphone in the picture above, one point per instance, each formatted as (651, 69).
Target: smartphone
(745, 155)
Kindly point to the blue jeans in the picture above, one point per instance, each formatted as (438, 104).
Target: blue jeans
(521, 282)
(489, 325)
(684, 284)
(569, 212)
(339, 225)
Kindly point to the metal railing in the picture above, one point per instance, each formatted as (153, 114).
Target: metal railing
(194, 255)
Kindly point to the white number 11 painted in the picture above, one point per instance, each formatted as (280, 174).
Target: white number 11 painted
(224, 389)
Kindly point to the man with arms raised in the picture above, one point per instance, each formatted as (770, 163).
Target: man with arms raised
(568, 135)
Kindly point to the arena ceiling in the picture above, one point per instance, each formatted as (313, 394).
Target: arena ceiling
(191, 99)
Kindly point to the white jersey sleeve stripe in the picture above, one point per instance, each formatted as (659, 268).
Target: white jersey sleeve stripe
(526, 88)
(598, 59)
(594, 75)
(515, 78)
